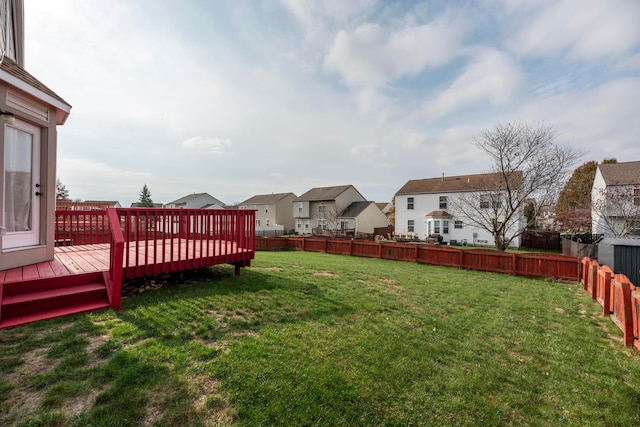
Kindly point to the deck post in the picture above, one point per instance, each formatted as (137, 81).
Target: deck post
(237, 272)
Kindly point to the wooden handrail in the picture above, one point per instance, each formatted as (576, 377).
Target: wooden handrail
(113, 279)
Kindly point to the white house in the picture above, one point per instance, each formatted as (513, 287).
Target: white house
(30, 114)
(427, 207)
(196, 201)
(273, 212)
(615, 199)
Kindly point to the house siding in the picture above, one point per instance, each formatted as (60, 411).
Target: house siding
(424, 204)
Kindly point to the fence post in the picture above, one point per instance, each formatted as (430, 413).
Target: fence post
(627, 314)
(379, 250)
(303, 248)
(350, 247)
(514, 264)
(606, 291)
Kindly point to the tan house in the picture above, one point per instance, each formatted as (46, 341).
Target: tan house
(336, 208)
(30, 111)
(273, 212)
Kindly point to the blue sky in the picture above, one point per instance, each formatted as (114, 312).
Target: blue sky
(237, 98)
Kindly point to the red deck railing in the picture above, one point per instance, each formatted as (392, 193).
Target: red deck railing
(168, 240)
(81, 227)
(145, 242)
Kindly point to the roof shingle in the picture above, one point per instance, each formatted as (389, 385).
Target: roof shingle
(452, 184)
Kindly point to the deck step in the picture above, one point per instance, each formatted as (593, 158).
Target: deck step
(49, 298)
(52, 314)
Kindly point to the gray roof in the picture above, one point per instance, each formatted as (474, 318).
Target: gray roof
(137, 205)
(323, 193)
(620, 173)
(622, 241)
(106, 202)
(451, 184)
(266, 199)
(355, 209)
(188, 197)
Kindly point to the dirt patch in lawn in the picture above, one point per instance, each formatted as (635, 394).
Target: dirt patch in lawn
(324, 274)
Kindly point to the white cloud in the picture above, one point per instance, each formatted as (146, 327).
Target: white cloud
(584, 30)
(372, 56)
(312, 13)
(208, 145)
(603, 120)
(493, 76)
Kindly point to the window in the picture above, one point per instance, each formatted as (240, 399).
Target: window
(344, 225)
(257, 223)
(300, 207)
(636, 196)
(266, 222)
(409, 202)
(443, 202)
(322, 224)
(436, 227)
(410, 226)
(322, 208)
(457, 224)
(266, 208)
(243, 207)
(306, 224)
(485, 201)
(445, 227)
(299, 224)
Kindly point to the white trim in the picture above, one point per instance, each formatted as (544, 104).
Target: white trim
(27, 88)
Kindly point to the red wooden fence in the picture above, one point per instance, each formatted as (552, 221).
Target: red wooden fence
(529, 265)
(619, 298)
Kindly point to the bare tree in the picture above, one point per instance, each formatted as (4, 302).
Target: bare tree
(526, 167)
(331, 214)
(619, 208)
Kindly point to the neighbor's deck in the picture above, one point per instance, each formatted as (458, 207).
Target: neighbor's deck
(155, 256)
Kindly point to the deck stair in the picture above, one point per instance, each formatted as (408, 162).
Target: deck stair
(39, 299)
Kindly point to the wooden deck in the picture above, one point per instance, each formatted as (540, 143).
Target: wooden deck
(74, 260)
(68, 261)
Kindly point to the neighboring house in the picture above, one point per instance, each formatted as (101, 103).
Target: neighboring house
(426, 207)
(273, 212)
(109, 203)
(615, 199)
(196, 201)
(323, 208)
(30, 111)
(363, 217)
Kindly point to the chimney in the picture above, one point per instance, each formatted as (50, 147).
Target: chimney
(443, 176)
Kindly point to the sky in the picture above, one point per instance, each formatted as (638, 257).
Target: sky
(238, 98)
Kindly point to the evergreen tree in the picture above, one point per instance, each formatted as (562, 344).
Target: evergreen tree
(62, 194)
(145, 198)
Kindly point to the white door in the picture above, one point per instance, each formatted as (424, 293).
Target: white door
(21, 216)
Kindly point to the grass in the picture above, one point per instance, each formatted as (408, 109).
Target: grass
(327, 340)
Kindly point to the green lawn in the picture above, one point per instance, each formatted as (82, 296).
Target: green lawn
(328, 340)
